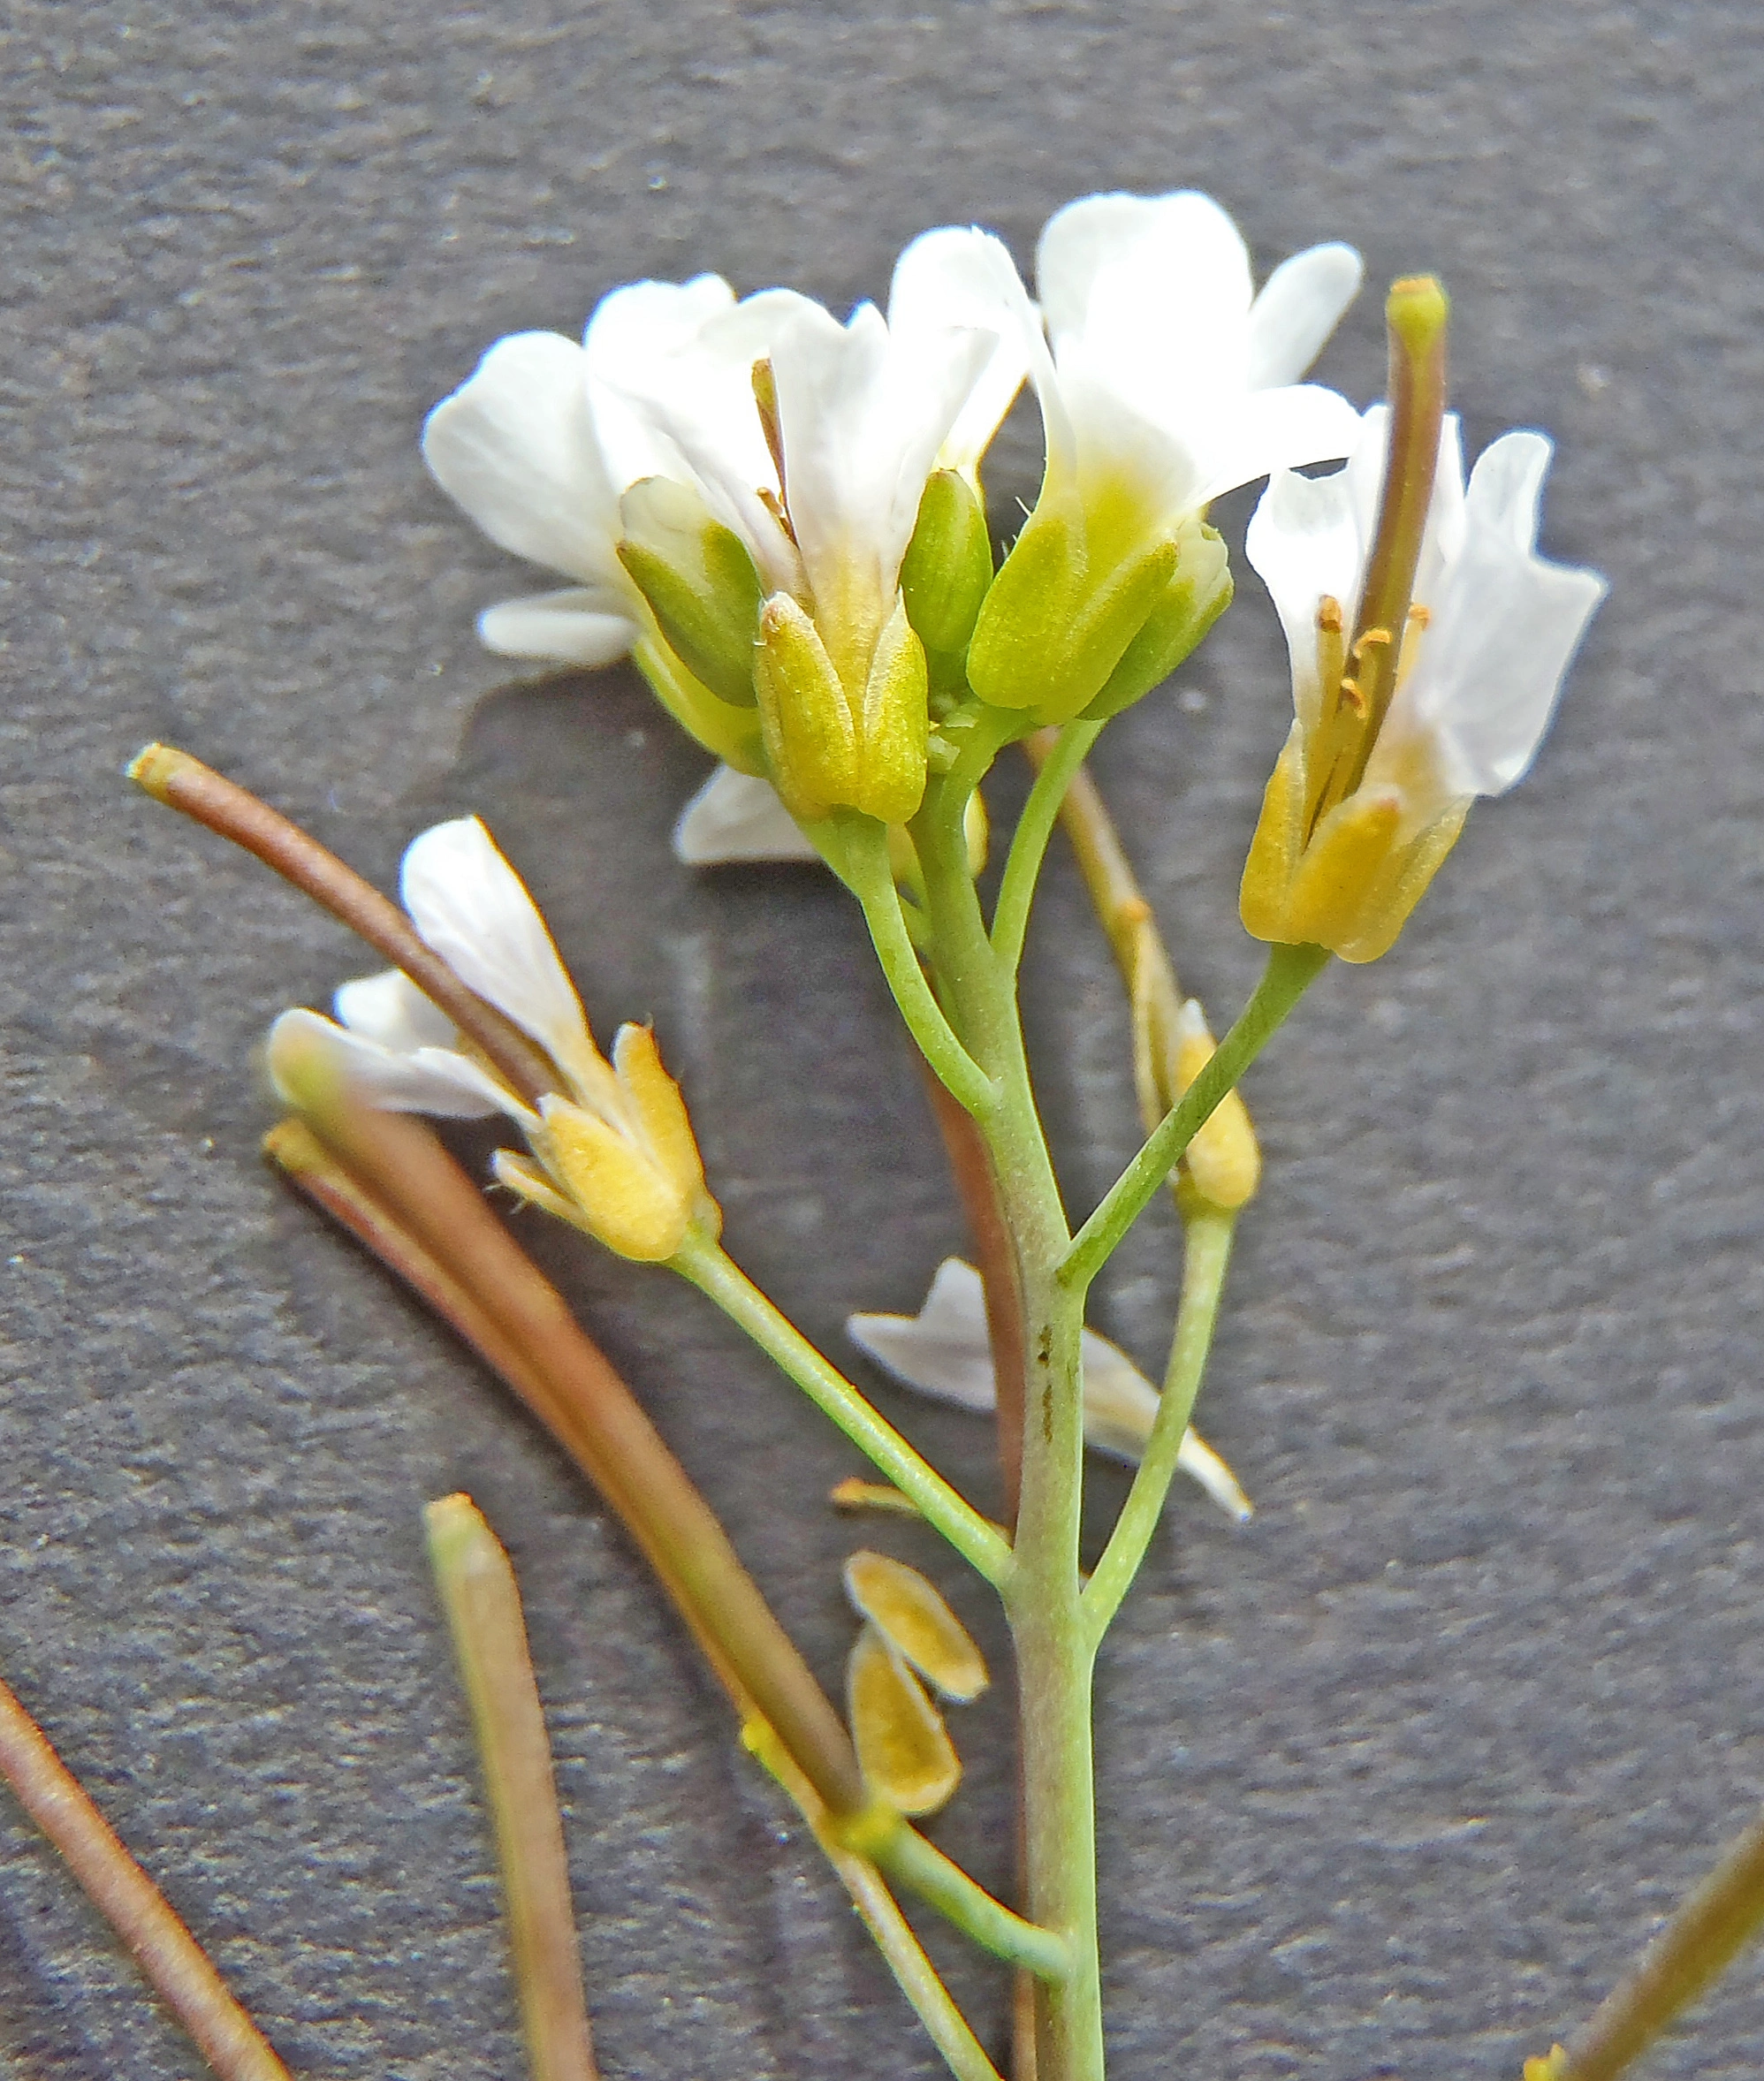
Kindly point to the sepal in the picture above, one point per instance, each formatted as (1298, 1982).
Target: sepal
(1052, 628)
(699, 580)
(1198, 593)
(825, 749)
(947, 570)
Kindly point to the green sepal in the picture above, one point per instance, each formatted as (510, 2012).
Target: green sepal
(1051, 634)
(1196, 595)
(699, 580)
(947, 568)
(731, 733)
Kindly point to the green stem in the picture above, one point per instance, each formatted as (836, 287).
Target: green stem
(1696, 1946)
(906, 1857)
(873, 877)
(1206, 1254)
(1289, 973)
(1029, 844)
(715, 1273)
(1042, 1595)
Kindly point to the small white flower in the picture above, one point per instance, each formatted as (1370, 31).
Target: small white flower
(1492, 630)
(944, 1351)
(615, 1149)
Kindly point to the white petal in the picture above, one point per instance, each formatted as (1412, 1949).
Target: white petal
(863, 415)
(737, 817)
(389, 1008)
(432, 1080)
(1299, 306)
(1269, 430)
(1170, 266)
(579, 626)
(472, 907)
(944, 1352)
(515, 446)
(965, 278)
(1305, 539)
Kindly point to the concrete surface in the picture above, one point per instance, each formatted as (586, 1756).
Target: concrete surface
(1394, 1778)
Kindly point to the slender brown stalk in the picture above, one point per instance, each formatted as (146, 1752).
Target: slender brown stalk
(972, 1170)
(171, 1959)
(421, 1194)
(184, 783)
(483, 1602)
(1708, 1932)
(1127, 919)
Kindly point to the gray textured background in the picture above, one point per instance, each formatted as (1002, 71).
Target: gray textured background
(1394, 1779)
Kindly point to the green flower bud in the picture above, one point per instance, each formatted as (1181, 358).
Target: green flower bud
(947, 569)
(1052, 631)
(699, 580)
(825, 749)
(1195, 598)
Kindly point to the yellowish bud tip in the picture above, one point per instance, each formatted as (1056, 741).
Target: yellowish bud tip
(1551, 2066)
(1417, 311)
(155, 766)
(1224, 1161)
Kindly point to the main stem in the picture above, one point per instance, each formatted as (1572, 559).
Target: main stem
(1041, 1591)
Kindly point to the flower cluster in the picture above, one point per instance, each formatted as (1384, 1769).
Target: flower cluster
(781, 519)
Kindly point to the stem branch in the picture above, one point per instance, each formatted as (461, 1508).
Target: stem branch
(1289, 973)
(1206, 1254)
(715, 1273)
(1029, 844)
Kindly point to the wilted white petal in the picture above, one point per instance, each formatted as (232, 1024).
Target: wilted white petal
(515, 446)
(432, 1080)
(389, 1008)
(1298, 308)
(736, 817)
(472, 907)
(944, 1352)
(579, 626)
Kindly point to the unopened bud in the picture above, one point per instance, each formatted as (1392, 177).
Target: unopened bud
(947, 569)
(1224, 1162)
(699, 580)
(1053, 630)
(827, 750)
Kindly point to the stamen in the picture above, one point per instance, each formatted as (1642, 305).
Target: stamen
(765, 396)
(775, 506)
(1414, 629)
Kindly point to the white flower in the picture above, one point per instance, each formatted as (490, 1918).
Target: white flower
(863, 414)
(615, 1148)
(944, 1351)
(1491, 632)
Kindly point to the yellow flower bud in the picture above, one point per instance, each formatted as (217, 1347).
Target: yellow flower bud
(1224, 1161)
(630, 1168)
(830, 749)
